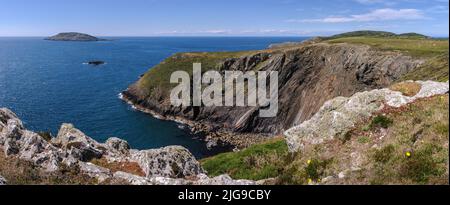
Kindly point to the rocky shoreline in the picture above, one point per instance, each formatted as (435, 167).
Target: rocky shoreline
(112, 161)
(214, 139)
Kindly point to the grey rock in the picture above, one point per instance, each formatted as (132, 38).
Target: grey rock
(172, 161)
(10, 147)
(118, 145)
(3, 181)
(131, 179)
(25, 144)
(338, 116)
(100, 173)
(84, 148)
(222, 180)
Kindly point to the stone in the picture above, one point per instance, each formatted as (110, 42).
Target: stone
(3, 181)
(10, 147)
(118, 145)
(172, 161)
(100, 173)
(222, 180)
(85, 148)
(131, 179)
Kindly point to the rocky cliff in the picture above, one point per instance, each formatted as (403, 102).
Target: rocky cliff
(110, 162)
(309, 75)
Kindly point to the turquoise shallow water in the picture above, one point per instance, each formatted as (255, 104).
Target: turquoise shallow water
(46, 84)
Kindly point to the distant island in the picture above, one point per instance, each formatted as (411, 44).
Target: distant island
(73, 36)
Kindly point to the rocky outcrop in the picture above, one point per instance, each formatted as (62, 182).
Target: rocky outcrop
(73, 36)
(309, 75)
(3, 181)
(173, 161)
(338, 116)
(73, 149)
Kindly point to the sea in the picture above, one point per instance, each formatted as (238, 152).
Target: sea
(47, 83)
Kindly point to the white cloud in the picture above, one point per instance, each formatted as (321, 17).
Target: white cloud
(386, 14)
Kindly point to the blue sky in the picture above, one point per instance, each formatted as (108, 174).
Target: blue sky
(221, 17)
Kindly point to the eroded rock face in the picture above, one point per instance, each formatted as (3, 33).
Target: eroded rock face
(338, 116)
(309, 76)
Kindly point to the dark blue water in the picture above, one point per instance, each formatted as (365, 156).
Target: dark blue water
(46, 84)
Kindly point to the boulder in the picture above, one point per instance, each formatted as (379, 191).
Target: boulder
(172, 161)
(100, 173)
(131, 179)
(117, 145)
(83, 147)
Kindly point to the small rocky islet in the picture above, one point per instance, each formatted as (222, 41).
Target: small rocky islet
(73, 36)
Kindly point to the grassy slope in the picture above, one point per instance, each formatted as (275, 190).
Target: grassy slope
(420, 129)
(158, 78)
(257, 162)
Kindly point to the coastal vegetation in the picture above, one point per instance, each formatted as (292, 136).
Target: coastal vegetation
(408, 145)
(257, 162)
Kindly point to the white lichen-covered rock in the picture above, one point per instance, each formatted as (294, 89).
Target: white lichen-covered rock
(83, 147)
(117, 145)
(172, 161)
(131, 179)
(3, 180)
(27, 145)
(100, 173)
(339, 115)
(222, 180)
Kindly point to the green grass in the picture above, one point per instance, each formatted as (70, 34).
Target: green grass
(257, 162)
(412, 47)
(157, 80)
(422, 130)
(435, 68)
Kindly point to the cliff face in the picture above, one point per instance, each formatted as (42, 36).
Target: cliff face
(309, 75)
